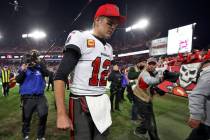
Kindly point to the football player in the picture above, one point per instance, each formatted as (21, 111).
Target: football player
(88, 56)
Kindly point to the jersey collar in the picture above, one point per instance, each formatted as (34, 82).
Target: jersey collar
(103, 41)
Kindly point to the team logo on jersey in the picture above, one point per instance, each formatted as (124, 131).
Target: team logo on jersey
(90, 43)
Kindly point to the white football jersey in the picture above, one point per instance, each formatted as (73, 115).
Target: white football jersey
(90, 73)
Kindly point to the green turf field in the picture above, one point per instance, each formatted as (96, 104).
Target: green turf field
(171, 115)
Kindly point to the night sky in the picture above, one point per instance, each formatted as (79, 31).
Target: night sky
(56, 16)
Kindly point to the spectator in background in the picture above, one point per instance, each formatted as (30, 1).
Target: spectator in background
(207, 55)
(197, 56)
(115, 78)
(143, 98)
(67, 83)
(133, 75)
(199, 106)
(5, 79)
(124, 83)
(50, 80)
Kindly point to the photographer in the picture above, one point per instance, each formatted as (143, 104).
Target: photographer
(32, 84)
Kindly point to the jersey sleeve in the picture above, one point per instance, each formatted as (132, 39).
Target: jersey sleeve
(149, 79)
(75, 41)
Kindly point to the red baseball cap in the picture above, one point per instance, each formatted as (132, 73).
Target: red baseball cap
(110, 10)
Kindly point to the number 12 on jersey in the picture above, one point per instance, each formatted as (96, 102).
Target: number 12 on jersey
(96, 64)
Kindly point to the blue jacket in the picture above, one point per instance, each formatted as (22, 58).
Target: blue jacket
(124, 80)
(33, 83)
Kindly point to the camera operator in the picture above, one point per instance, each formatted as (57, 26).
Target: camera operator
(32, 84)
(143, 96)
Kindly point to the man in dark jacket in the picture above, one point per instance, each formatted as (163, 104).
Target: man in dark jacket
(32, 84)
(50, 81)
(133, 75)
(115, 78)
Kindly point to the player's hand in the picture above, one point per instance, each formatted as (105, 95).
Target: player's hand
(193, 123)
(63, 122)
(24, 67)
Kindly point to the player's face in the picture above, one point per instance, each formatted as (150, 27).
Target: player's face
(106, 26)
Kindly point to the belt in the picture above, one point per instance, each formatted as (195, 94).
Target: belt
(27, 96)
(78, 96)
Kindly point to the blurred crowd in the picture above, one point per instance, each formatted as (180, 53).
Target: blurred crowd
(135, 74)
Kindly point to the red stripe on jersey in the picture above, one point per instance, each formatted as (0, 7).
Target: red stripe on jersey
(143, 84)
(71, 114)
(84, 104)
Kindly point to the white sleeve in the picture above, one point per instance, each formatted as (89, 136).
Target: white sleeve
(111, 56)
(149, 79)
(75, 39)
(111, 52)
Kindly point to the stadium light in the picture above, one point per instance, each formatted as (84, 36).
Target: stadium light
(142, 24)
(1, 36)
(37, 34)
(133, 53)
(24, 35)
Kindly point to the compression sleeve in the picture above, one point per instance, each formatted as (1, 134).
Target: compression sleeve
(68, 63)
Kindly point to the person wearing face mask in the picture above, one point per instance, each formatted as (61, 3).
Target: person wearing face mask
(199, 105)
(143, 97)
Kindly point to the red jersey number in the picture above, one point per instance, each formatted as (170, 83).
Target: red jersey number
(94, 80)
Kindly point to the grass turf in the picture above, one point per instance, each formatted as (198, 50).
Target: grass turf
(171, 115)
